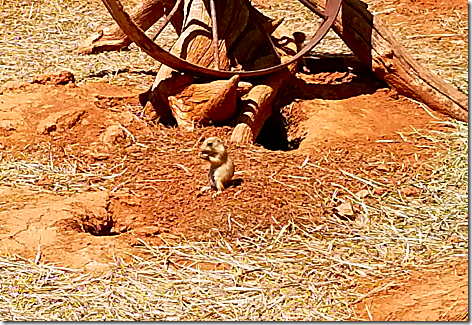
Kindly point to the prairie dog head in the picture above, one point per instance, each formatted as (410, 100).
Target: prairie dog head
(213, 149)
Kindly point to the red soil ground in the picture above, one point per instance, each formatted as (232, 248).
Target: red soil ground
(352, 123)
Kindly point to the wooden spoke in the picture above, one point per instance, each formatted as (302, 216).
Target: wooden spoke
(214, 32)
(166, 20)
(263, 31)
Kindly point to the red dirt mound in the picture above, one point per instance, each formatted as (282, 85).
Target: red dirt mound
(152, 191)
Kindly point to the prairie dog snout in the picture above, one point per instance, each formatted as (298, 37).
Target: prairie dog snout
(221, 171)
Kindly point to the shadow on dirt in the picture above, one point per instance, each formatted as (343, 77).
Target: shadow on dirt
(326, 77)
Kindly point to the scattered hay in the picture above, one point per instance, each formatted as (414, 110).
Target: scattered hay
(43, 174)
(301, 272)
(42, 37)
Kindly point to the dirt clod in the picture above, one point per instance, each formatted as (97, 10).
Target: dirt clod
(410, 191)
(61, 78)
(60, 121)
(113, 134)
(12, 85)
(345, 210)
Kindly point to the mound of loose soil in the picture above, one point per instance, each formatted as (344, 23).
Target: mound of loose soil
(156, 195)
(153, 194)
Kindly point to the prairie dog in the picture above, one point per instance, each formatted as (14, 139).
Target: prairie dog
(221, 165)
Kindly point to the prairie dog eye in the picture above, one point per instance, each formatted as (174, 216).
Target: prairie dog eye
(210, 143)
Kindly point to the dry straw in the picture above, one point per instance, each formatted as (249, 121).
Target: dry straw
(42, 36)
(436, 37)
(41, 173)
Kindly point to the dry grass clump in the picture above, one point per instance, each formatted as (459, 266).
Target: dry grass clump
(41, 37)
(298, 272)
(41, 173)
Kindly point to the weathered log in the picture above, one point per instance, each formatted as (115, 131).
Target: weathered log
(208, 103)
(367, 36)
(195, 45)
(247, 48)
(257, 104)
(112, 38)
(156, 100)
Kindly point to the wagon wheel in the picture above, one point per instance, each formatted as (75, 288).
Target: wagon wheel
(138, 36)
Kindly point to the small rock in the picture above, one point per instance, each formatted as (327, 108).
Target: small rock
(380, 191)
(345, 209)
(8, 125)
(362, 194)
(12, 85)
(383, 168)
(69, 119)
(61, 78)
(60, 121)
(113, 134)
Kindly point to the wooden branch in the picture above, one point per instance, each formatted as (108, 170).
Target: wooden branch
(247, 48)
(167, 19)
(112, 38)
(367, 36)
(214, 32)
